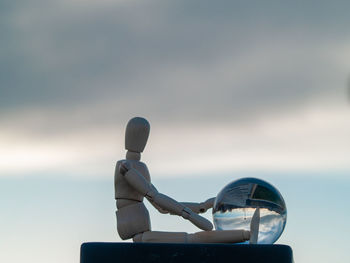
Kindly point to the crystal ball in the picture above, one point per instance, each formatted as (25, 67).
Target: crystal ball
(236, 203)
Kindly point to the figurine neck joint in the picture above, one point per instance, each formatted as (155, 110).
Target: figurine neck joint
(133, 156)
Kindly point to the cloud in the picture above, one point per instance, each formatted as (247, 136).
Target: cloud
(167, 54)
(310, 140)
(75, 71)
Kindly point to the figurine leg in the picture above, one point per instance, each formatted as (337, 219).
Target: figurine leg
(161, 237)
(254, 227)
(227, 236)
(223, 236)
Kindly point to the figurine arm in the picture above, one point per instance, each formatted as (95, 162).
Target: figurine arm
(161, 210)
(134, 178)
(200, 207)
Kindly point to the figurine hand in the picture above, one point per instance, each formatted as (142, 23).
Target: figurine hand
(209, 203)
(203, 207)
(124, 167)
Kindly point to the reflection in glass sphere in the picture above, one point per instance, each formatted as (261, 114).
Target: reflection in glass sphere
(235, 205)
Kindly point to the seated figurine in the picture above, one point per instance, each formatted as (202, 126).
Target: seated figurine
(132, 183)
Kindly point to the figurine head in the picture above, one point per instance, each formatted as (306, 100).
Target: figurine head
(136, 134)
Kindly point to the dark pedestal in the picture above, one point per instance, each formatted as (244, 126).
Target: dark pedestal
(192, 253)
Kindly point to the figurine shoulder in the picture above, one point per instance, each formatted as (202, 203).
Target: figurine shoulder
(119, 162)
(117, 165)
(140, 166)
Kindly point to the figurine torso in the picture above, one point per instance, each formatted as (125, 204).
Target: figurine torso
(123, 190)
(132, 215)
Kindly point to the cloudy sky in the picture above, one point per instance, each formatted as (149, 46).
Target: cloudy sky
(228, 87)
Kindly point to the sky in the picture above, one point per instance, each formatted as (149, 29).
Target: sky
(231, 89)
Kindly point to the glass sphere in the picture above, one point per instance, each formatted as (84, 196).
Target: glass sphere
(235, 205)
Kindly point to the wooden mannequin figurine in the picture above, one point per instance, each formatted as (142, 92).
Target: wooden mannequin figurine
(132, 183)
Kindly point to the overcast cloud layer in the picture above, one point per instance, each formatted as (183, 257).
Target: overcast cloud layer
(264, 85)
